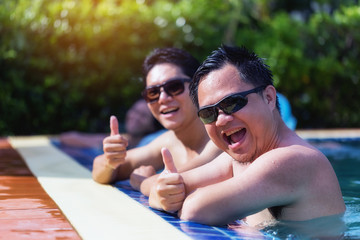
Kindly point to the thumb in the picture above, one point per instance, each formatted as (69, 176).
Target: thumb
(114, 126)
(168, 161)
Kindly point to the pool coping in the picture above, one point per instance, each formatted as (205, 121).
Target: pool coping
(96, 211)
(338, 133)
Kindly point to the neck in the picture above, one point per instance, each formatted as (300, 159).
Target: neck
(276, 135)
(281, 132)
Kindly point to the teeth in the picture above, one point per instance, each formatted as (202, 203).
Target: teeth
(168, 110)
(232, 132)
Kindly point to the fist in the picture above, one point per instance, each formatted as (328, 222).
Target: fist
(140, 174)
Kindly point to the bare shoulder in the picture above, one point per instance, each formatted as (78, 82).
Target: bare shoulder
(305, 178)
(297, 164)
(297, 157)
(153, 149)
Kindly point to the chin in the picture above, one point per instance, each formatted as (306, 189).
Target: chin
(171, 125)
(239, 157)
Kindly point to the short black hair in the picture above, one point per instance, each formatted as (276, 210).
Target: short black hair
(181, 58)
(251, 68)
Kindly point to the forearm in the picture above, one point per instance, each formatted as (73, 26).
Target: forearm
(200, 207)
(204, 176)
(102, 173)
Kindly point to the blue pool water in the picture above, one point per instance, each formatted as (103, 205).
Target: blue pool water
(343, 154)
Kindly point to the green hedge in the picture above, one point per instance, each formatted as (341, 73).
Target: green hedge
(316, 64)
(70, 64)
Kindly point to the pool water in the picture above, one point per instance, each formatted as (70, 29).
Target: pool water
(344, 155)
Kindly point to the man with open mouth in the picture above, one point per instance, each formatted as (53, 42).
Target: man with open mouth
(267, 173)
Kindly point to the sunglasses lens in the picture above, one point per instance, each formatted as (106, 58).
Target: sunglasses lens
(151, 94)
(174, 88)
(228, 105)
(232, 104)
(208, 115)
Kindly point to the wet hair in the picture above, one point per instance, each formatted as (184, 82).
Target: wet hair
(251, 68)
(184, 60)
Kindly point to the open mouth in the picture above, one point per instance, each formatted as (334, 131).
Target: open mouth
(234, 136)
(169, 110)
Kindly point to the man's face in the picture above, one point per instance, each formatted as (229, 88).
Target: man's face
(173, 112)
(241, 134)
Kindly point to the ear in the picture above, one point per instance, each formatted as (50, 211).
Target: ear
(269, 94)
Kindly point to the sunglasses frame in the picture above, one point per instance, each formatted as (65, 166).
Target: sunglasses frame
(158, 87)
(215, 107)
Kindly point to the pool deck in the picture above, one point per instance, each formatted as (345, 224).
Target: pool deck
(26, 210)
(44, 194)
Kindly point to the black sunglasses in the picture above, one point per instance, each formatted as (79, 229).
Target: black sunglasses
(172, 87)
(228, 105)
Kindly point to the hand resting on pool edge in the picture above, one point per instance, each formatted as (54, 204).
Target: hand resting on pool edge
(169, 191)
(267, 171)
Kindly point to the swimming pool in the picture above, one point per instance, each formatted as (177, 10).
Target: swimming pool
(344, 155)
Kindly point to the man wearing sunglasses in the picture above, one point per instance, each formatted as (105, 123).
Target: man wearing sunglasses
(167, 75)
(267, 172)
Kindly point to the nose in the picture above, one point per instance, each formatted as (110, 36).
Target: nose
(163, 95)
(223, 118)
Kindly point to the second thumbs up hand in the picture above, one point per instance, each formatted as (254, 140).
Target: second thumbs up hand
(169, 191)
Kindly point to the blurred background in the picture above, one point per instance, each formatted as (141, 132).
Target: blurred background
(70, 64)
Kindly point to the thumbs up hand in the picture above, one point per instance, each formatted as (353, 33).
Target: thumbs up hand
(169, 166)
(168, 193)
(114, 126)
(114, 146)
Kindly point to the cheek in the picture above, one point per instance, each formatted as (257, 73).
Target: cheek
(152, 108)
(211, 131)
(154, 112)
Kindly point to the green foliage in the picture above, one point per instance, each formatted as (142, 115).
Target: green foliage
(70, 64)
(315, 64)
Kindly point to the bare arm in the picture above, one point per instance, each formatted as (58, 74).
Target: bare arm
(259, 186)
(168, 185)
(106, 171)
(209, 153)
(290, 179)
